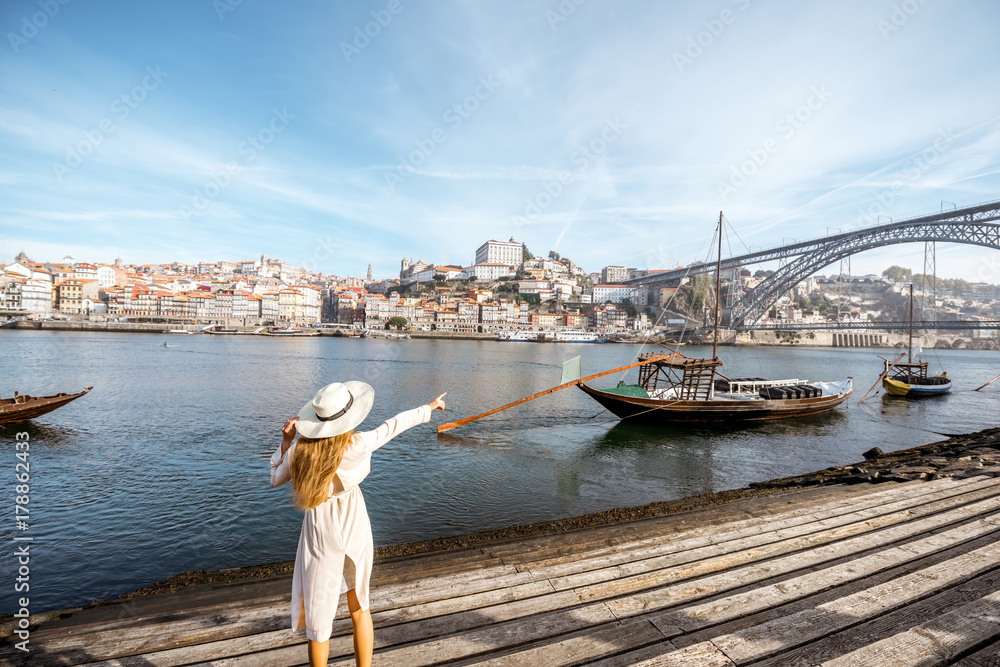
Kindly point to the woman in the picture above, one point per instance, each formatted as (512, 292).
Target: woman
(326, 465)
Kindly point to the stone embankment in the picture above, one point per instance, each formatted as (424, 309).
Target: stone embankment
(959, 457)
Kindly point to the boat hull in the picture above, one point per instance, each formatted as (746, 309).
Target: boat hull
(656, 411)
(897, 388)
(34, 406)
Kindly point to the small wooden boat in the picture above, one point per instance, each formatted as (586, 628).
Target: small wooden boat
(910, 378)
(685, 390)
(23, 407)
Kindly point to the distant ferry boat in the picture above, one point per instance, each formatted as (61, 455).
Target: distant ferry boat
(573, 336)
(567, 336)
(517, 336)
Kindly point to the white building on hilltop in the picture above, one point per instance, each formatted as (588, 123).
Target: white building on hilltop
(510, 253)
(614, 274)
(637, 295)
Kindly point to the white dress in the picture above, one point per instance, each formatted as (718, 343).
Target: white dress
(337, 528)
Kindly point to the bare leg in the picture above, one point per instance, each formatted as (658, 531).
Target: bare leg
(364, 635)
(319, 653)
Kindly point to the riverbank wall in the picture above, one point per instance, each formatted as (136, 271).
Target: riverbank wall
(767, 337)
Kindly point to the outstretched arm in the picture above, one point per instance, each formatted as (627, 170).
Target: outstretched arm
(369, 441)
(279, 461)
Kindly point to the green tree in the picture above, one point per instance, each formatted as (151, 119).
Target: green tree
(525, 253)
(397, 321)
(554, 255)
(763, 274)
(897, 274)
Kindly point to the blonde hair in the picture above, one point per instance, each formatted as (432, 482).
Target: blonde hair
(314, 464)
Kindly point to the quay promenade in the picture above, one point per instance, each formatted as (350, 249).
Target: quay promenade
(844, 571)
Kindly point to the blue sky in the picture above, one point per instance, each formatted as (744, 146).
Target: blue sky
(334, 134)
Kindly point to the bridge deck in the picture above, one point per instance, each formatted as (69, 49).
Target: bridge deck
(894, 574)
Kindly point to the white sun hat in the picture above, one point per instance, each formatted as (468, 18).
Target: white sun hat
(335, 409)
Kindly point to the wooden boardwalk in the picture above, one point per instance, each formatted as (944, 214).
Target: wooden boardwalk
(890, 574)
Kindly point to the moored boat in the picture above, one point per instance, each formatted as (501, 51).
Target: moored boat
(680, 389)
(23, 407)
(288, 331)
(517, 336)
(910, 379)
(569, 336)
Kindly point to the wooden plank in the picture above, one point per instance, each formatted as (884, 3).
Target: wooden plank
(655, 592)
(762, 641)
(235, 621)
(493, 637)
(411, 625)
(697, 616)
(936, 642)
(582, 648)
(988, 656)
(632, 658)
(696, 655)
(681, 639)
(108, 644)
(714, 519)
(760, 509)
(886, 625)
(633, 559)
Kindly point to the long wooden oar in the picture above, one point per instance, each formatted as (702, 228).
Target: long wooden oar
(884, 373)
(988, 383)
(450, 425)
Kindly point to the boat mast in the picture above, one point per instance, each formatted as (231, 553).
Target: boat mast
(909, 345)
(718, 292)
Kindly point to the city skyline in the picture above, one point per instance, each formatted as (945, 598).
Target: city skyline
(613, 135)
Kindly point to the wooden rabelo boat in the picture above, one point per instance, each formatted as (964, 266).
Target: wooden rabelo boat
(23, 407)
(673, 388)
(910, 378)
(685, 390)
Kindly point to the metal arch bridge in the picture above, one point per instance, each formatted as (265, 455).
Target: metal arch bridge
(972, 225)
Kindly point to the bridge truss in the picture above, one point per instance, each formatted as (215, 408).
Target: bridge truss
(973, 226)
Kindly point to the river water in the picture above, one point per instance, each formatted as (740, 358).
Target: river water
(163, 467)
